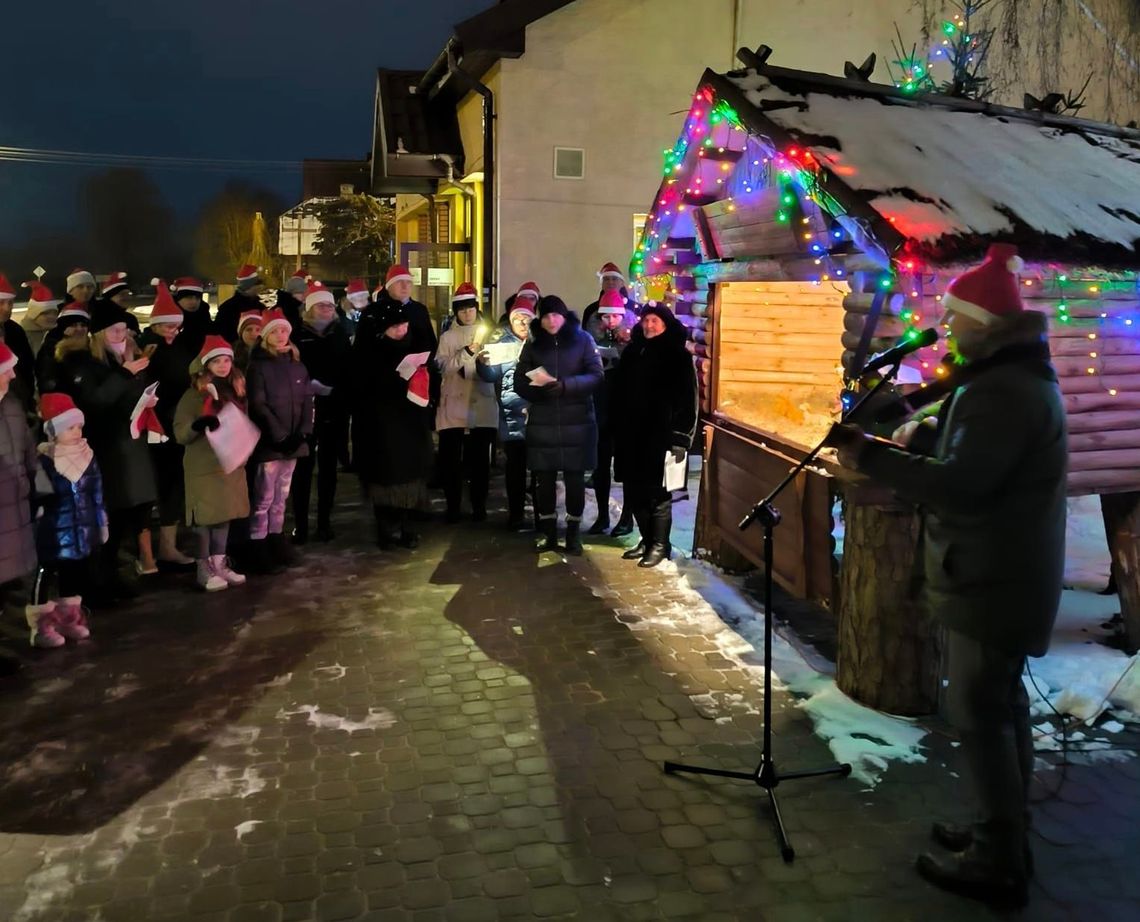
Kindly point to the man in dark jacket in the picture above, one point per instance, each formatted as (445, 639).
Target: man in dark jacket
(557, 373)
(398, 290)
(994, 501)
(196, 321)
(326, 352)
(290, 298)
(250, 285)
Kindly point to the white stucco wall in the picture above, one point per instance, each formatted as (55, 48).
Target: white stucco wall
(615, 77)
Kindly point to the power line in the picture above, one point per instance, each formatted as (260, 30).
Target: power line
(90, 158)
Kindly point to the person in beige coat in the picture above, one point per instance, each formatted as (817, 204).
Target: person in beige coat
(213, 497)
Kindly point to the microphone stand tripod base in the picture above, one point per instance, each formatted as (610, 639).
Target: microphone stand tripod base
(765, 775)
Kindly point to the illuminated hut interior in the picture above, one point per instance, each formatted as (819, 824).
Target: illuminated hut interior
(805, 222)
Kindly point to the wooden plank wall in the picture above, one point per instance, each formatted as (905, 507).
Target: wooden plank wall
(742, 471)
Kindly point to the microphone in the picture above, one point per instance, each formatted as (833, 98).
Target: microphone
(912, 342)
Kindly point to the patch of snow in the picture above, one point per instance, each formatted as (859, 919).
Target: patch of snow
(974, 173)
(278, 681)
(335, 671)
(244, 829)
(377, 719)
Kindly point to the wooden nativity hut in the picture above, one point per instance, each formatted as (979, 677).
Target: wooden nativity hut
(805, 222)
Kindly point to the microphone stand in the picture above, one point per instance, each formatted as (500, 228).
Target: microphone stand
(765, 774)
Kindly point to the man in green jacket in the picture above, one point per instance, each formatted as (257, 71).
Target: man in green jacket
(993, 496)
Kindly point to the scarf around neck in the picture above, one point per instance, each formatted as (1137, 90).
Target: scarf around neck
(71, 461)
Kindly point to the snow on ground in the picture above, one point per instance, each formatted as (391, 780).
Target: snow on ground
(1077, 676)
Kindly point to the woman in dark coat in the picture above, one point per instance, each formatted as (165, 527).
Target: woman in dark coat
(561, 431)
(169, 361)
(326, 351)
(391, 422)
(654, 408)
(106, 377)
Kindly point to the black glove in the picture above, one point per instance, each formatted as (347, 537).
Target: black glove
(202, 423)
(557, 389)
(679, 453)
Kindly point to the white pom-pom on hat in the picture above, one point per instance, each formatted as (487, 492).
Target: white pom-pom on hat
(156, 281)
(1015, 264)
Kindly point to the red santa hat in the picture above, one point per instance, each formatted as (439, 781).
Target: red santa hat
(298, 282)
(465, 296)
(7, 292)
(610, 270)
(357, 292)
(247, 273)
(611, 302)
(318, 294)
(419, 385)
(79, 277)
(115, 283)
(248, 317)
(76, 311)
(164, 310)
(41, 299)
(214, 347)
(397, 273)
(8, 358)
(187, 285)
(528, 290)
(144, 419)
(990, 291)
(59, 413)
(273, 318)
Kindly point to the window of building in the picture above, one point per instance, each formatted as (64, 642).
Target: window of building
(569, 163)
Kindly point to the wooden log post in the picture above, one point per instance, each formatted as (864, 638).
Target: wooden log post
(1122, 527)
(889, 647)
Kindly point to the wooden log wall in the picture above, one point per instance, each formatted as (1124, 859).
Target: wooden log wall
(1095, 345)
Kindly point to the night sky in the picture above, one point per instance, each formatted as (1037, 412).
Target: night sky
(265, 80)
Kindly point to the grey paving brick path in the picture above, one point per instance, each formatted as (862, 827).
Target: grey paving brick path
(468, 732)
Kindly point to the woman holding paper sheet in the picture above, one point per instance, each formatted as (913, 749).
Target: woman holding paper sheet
(213, 497)
(558, 371)
(105, 375)
(654, 405)
(468, 415)
(391, 422)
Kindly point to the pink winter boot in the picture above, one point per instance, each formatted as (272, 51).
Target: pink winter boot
(70, 620)
(44, 623)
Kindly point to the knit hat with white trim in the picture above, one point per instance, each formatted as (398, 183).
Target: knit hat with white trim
(318, 294)
(115, 283)
(59, 413)
(164, 310)
(273, 318)
(8, 358)
(297, 283)
(397, 273)
(79, 277)
(214, 347)
(609, 270)
(990, 291)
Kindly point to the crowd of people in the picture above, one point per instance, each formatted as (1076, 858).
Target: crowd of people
(113, 435)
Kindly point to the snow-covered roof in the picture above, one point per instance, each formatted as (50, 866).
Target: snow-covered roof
(950, 176)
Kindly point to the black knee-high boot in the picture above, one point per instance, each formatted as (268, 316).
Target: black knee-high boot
(661, 516)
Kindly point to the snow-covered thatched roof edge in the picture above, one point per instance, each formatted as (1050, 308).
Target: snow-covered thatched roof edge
(940, 178)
